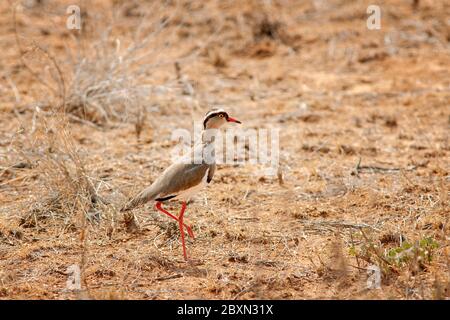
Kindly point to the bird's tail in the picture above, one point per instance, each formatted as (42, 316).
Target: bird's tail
(143, 197)
(129, 205)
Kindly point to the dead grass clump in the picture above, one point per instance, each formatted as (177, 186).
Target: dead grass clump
(105, 79)
(267, 26)
(64, 187)
(106, 85)
(257, 30)
(130, 222)
(110, 79)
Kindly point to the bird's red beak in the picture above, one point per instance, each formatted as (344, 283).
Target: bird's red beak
(230, 119)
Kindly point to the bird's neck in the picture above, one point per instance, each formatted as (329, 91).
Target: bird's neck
(209, 137)
(206, 149)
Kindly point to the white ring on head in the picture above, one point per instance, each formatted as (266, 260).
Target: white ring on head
(214, 111)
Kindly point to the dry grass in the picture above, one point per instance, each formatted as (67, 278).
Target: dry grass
(107, 83)
(364, 149)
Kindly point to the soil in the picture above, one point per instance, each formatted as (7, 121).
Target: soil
(363, 118)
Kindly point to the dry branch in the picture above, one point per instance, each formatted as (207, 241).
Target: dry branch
(375, 168)
(340, 224)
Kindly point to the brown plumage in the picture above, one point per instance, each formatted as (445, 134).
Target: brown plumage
(173, 183)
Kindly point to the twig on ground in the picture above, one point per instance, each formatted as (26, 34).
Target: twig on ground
(172, 276)
(341, 224)
(374, 168)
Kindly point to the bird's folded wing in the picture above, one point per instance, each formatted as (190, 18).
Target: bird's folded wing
(175, 179)
(180, 177)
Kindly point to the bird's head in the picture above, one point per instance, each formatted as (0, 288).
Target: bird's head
(215, 118)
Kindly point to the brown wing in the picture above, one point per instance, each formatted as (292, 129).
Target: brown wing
(176, 178)
(180, 177)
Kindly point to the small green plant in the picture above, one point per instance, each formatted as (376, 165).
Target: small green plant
(401, 254)
(392, 259)
(421, 250)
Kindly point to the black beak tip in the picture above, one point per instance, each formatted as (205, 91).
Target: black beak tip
(230, 119)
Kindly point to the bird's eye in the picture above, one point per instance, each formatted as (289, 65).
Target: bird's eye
(221, 115)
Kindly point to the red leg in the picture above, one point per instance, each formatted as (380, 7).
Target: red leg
(180, 222)
(159, 207)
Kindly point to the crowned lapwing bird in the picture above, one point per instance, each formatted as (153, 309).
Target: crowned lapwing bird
(181, 180)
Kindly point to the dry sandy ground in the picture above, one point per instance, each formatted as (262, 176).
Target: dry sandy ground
(364, 141)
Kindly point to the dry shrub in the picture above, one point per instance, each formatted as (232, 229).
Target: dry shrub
(104, 84)
(114, 79)
(63, 188)
(105, 76)
(266, 28)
